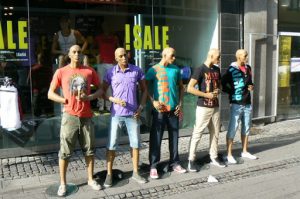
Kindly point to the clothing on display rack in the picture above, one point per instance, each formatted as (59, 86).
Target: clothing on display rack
(9, 105)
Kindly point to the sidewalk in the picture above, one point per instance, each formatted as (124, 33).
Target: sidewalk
(275, 144)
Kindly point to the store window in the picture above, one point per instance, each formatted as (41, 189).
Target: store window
(289, 76)
(289, 56)
(48, 27)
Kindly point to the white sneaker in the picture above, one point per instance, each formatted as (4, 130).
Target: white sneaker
(94, 184)
(216, 162)
(179, 169)
(231, 160)
(62, 190)
(137, 177)
(248, 155)
(153, 173)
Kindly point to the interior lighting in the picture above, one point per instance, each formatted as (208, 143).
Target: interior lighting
(285, 3)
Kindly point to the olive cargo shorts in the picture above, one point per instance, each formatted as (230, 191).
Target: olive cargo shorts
(73, 128)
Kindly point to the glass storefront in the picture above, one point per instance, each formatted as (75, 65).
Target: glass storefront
(31, 49)
(289, 59)
(289, 76)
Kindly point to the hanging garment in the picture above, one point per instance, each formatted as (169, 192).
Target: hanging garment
(9, 108)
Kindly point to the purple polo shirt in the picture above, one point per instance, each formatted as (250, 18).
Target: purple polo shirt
(124, 86)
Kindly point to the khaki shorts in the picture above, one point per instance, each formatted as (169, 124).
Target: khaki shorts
(73, 128)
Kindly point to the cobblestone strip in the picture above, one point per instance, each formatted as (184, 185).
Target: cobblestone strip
(45, 164)
(200, 183)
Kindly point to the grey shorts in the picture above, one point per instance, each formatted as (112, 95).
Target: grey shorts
(73, 128)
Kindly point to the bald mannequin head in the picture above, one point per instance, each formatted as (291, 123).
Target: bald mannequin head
(121, 57)
(167, 50)
(213, 57)
(213, 52)
(74, 54)
(168, 56)
(74, 47)
(240, 52)
(119, 51)
(241, 57)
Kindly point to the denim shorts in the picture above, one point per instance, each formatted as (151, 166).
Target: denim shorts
(133, 129)
(74, 128)
(238, 113)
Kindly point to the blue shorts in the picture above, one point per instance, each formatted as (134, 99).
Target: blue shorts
(239, 112)
(133, 129)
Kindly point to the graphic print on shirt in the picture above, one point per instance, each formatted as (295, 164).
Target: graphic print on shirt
(212, 82)
(78, 85)
(163, 87)
(239, 84)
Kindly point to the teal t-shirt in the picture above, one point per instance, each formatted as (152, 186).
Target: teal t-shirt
(165, 81)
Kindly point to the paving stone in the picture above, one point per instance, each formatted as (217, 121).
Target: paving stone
(166, 187)
(172, 186)
(145, 191)
(152, 190)
(116, 197)
(154, 194)
(160, 188)
(128, 195)
(136, 193)
(160, 193)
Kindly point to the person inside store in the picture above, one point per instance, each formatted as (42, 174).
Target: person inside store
(164, 79)
(208, 79)
(75, 81)
(237, 82)
(41, 73)
(123, 79)
(64, 39)
(106, 43)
